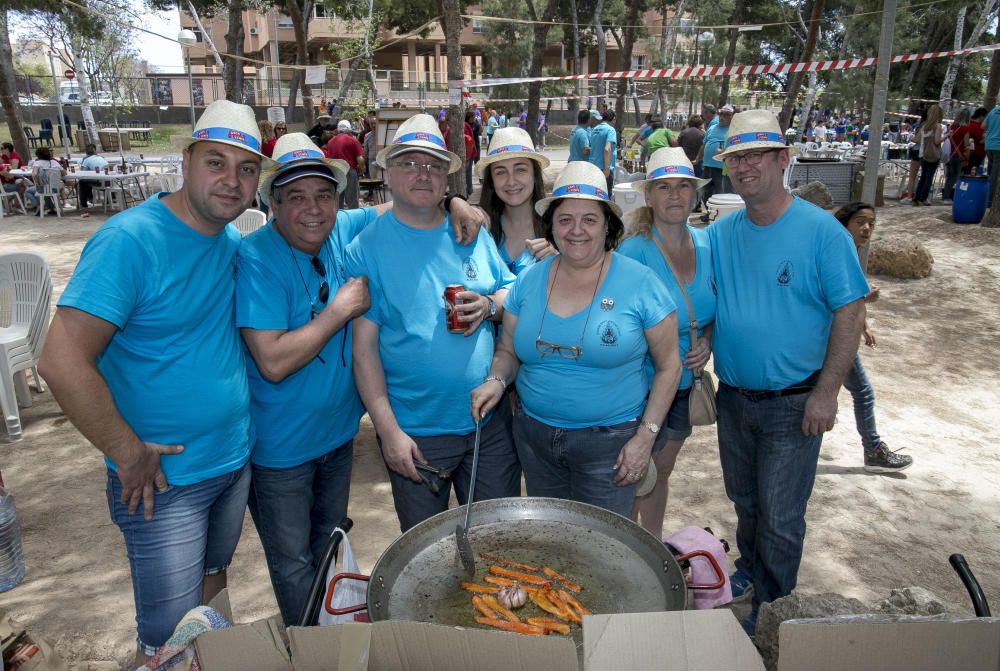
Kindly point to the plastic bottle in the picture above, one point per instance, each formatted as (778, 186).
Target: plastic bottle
(11, 552)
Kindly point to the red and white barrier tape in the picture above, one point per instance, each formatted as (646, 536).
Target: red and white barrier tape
(687, 72)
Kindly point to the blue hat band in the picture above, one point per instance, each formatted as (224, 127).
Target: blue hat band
(735, 140)
(421, 137)
(671, 170)
(580, 190)
(511, 147)
(228, 135)
(298, 154)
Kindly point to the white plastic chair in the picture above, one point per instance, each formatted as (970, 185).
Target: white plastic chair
(13, 196)
(25, 280)
(250, 221)
(786, 181)
(50, 184)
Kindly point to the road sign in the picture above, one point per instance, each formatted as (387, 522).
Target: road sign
(69, 74)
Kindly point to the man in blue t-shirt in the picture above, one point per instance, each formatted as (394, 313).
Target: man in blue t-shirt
(712, 143)
(789, 317)
(991, 127)
(603, 145)
(579, 139)
(144, 358)
(413, 373)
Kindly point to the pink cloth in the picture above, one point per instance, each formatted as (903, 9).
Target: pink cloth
(695, 538)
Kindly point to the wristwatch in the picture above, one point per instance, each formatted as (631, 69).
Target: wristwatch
(491, 308)
(653, 427)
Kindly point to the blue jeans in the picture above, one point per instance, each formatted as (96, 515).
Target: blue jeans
(193, 533)
(994, 171)
(952, 170)
(499, 473)
(861, 390)
(574, 464)
(769, 467)
(295, 510)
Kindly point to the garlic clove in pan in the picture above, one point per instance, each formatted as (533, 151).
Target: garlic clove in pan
(512, 596)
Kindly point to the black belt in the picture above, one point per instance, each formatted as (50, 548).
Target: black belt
(755, 395)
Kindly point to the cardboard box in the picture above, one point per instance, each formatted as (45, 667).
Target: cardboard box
(890, 644)
(695, 640)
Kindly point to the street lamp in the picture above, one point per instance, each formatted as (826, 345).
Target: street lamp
(706, 41)
(187, 39)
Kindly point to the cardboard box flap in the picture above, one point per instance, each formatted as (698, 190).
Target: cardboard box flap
(415, 646)
(702, 640)
(343, 647)
(255, 646)
(887, 644)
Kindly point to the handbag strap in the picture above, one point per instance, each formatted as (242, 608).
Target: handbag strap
(693, 325)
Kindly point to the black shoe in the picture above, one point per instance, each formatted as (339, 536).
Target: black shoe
(883, 460)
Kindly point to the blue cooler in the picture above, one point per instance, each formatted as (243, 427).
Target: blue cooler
(969, 204)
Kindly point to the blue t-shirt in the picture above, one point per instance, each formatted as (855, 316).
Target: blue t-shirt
(316, 408)
(778, 286)
(609, 383)
(600, 135)
(429, 372)
(517, 266)
(579, 140)
(713, 139)
(174, 366)
(700, 289)
(94, 162)
(992, 122)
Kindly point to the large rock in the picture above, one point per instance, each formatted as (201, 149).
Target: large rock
(795, 606)
(816, 193)
(900, 256)
(912, 601)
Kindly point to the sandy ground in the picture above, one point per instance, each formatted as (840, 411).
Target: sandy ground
(935, 376)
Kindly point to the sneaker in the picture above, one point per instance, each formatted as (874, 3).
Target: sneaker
(741, 586)
(905, 198)
(883, 460)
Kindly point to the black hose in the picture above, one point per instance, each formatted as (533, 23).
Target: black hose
(979, 603)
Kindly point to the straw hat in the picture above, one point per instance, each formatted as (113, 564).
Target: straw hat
(511, 143)
(419, 133)
(582, 180)
(296, 152)
(668, 163)
(754, 129)
(225, 122)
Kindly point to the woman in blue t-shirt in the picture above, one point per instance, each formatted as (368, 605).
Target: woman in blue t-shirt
(577, 330)
(511, 173)
(659, 237)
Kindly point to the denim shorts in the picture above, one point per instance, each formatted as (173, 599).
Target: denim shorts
(677, 426)
(193, 533)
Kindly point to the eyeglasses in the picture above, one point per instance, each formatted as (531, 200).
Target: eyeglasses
(751, 158)
(545, 348)
(414, 168)
(324, 288)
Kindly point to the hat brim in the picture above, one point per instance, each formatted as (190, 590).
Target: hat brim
(744, 146)
(542, 206)
(182, 142)
(338, 167)
(386, 153)
(640, 184)
(484, 163)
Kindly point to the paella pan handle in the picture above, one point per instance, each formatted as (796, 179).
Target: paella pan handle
(711, 560)
(329, 594)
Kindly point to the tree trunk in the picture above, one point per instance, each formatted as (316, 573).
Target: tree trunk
(540, 31)
(348, 81)
(451, 24)
(207, 36)
(628, 43)
(734, 36)
(675, 24)
(807, 108)
(951, 74)
(232, 73)
(992, 217)
(993, 83)
(8, 91)
(574, 104)
(795, 79)
(86, 111)
(300, 15)
(602, 52)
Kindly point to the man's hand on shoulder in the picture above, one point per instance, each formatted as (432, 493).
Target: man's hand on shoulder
(352, 298)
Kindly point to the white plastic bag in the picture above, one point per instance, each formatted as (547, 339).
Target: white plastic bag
(348, 592)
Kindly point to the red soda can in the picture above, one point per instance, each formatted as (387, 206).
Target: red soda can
(451, 299)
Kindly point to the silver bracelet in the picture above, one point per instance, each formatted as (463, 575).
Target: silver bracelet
(499, 379)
